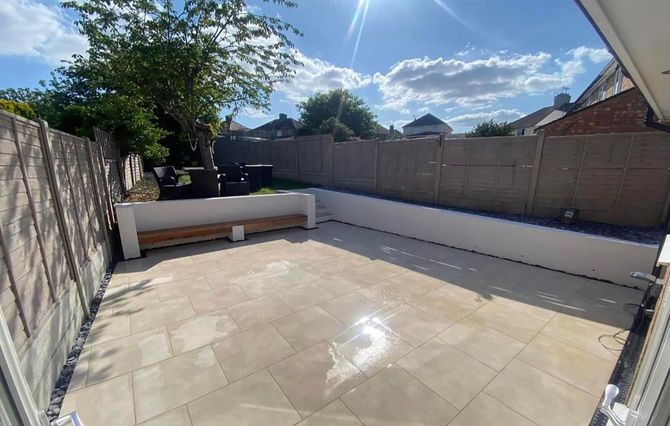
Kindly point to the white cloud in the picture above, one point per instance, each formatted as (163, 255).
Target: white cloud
(317, 75)
(254, 113)
(481, 81)
(470, 120)
(29, 28)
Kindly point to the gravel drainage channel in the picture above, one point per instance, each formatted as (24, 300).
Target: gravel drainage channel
(58, 394)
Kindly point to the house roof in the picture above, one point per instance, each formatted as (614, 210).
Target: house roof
(426, 120)
(534, 118)
(234, 126)
(281, 123)
(381, 130)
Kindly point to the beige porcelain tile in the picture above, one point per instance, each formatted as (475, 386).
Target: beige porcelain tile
(540, 397)
(372, 272)
(338, 285)
(255, 312)
(264, 286)
(370, 346)
(231, 275)
(124, 355)
(109, 328)
(412, 325)
(308, 327)
(489, 346)
(109, 403)
(450, 373)
(581, 369)
(250, 351)
(217, 299)
(600, 312)
(160, 314)
(514, 323)
(304, 295)
(79, 376)
(351, 308)
(129, 298)
(201, 330)
(181, 288)
(417, 282)
(254, 400)
(333, 414)
(167, 385)
(178, 417)
(297, 276)
(588, 336)
(470, 295)
(487, 411)
(201, 268)
(313, 378)
(394, 397)
(442, 306)
(388, 293)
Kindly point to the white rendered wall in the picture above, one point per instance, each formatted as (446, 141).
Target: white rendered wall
(576, 253)
(155, 215)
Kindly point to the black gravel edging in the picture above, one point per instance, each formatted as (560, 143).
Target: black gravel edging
(58, 394)
(635, 234)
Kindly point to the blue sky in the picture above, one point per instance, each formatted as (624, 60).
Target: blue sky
(462, 60)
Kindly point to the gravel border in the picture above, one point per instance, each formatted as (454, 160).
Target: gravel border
(58, 394)
(635, 234)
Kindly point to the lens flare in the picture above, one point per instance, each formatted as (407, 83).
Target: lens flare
(451, 13)
(358, 21)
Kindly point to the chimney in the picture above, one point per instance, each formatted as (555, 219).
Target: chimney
(391, 128)
(283, 116)
(561, 99)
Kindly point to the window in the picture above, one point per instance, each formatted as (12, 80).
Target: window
(601, 93)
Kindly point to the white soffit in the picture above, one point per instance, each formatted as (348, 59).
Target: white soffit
(638, 33)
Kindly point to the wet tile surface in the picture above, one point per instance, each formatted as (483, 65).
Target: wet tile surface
(345, 326)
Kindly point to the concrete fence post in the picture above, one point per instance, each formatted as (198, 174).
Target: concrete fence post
(537, 162)
(437, 176)
(376, 166)
(54, 186)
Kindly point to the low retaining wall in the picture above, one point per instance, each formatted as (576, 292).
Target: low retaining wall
(155, 215)
(576, 253)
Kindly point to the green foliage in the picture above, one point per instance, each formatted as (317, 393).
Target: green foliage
(76, 111)
(18, 108)
(490, 128)
(335, 127)
(191, 62)
(341, 106)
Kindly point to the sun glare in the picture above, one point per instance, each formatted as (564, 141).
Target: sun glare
(358, 21)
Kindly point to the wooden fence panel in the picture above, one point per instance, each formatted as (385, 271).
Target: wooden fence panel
(606, 177)
(354, 165)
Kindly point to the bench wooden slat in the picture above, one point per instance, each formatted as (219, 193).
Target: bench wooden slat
(250, 226)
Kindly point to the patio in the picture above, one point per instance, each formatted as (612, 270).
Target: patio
(344, 325)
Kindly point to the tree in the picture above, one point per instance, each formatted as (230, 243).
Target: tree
(19, 108)
(335, 127)
(490, 128)
(191, 61)
(340, 106)
(68, 107)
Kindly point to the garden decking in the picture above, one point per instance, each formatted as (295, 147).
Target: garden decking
(345, 325)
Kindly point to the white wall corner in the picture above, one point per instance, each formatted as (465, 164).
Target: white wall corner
(310, 211)
(237, 233)
(128, 230)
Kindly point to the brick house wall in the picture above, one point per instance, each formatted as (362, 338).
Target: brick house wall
(622, 113)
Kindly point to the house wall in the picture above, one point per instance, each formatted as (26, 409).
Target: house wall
(437, 128)
(623, 113)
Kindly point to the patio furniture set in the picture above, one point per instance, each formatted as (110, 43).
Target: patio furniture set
(228, 179)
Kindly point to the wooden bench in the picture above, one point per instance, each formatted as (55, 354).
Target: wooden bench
(250, 226)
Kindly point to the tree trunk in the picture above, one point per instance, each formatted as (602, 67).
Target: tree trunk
(205, 152)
